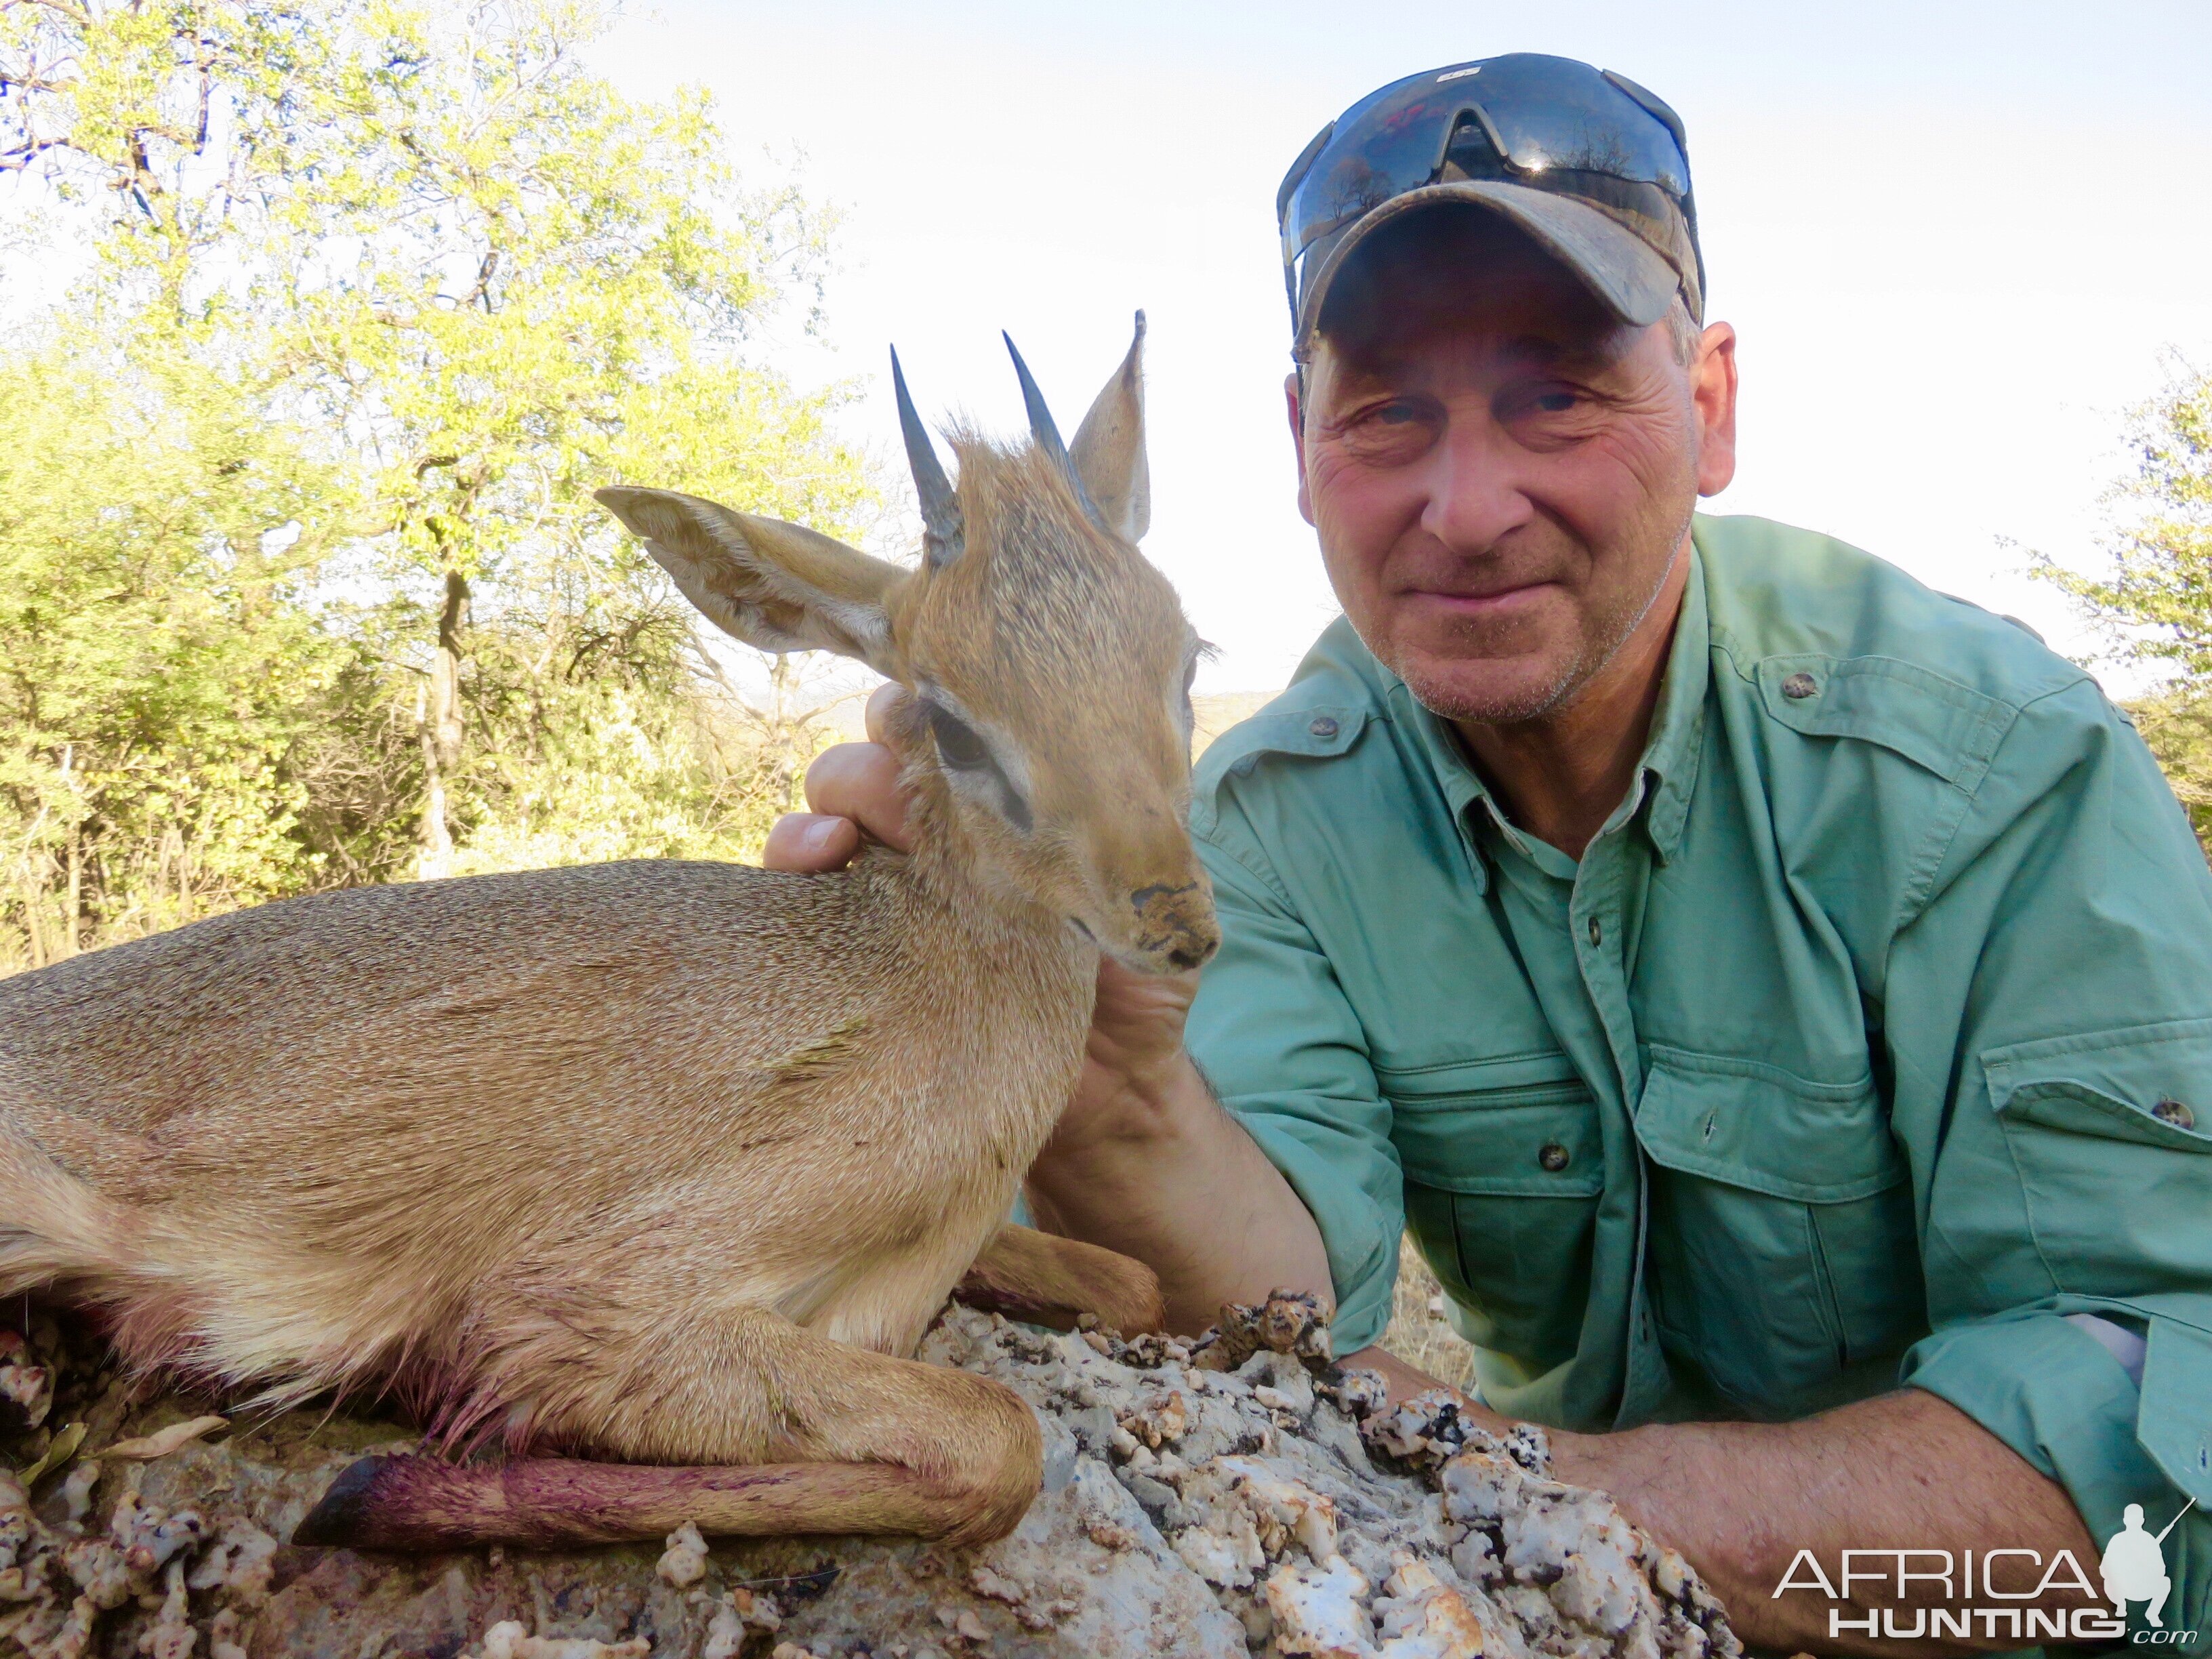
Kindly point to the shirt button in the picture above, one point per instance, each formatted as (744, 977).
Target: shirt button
(1323, 725)
(1800, 686)
(1596, 933)
(1554, 1157)
(2173, 1111)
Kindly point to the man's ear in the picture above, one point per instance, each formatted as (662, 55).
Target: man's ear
(1712, 389)
(1108, 451)
(778, 587)
(1294, 406)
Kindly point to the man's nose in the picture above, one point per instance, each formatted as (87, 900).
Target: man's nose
(1475, 490)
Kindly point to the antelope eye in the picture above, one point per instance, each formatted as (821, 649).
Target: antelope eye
(957, 745)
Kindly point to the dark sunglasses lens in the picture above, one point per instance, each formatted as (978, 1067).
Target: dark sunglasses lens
(1549, 113)
(1552, 115)
(1387, 144)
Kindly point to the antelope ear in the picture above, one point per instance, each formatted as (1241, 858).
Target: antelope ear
(1108, 451)
(778, 587)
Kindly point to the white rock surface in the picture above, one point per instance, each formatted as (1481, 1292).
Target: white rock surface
(1204, 1501)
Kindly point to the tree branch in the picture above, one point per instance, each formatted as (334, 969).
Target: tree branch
(15, 160)
(79, 15)
(483, 289)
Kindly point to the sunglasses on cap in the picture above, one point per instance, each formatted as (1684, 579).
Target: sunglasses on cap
(1543, 123)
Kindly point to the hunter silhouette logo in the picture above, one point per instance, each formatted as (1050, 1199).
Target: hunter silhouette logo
(2134, 1564)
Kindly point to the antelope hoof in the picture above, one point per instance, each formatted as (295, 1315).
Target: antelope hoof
(417, 1504)
(342, 1517)
(1052, 1281)
(1125, 1294)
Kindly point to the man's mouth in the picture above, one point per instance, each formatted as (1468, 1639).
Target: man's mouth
(1479, 604)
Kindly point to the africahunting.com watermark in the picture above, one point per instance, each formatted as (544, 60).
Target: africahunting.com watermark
(1985, 1594)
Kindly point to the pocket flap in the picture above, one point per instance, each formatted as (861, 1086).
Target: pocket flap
(1455, 1082)
(1542, 1141)
(2147, 1083)
(1761, 1129)
(1931, 719)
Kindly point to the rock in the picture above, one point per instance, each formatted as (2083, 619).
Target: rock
(684, 1561)
(1319, 1608)
(1234, 1495)
(26, 1388)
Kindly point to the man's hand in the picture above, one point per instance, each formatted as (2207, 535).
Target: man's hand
(1906, 1471)
(853, 790)
(1143, 1160)
(1901, 1471)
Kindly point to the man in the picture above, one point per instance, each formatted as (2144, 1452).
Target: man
(1777, 997)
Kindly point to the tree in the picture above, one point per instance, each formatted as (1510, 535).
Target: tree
(153, 674)
(2155, 598)
(455, 282)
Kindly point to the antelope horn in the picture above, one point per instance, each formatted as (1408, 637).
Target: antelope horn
(942, 535)
(1046, 435)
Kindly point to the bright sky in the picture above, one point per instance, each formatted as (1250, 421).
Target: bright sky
(1955, 239)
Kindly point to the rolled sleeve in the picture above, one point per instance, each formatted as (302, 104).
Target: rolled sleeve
(1276, 1038)
(2057, 1397)
(2051, 1034)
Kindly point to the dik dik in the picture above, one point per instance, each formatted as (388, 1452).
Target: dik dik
(668, 1163)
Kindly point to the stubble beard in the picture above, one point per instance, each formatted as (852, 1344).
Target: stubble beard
(1611, 628)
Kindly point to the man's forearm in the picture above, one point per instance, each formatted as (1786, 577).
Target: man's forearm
(1166, 1174)
(1170, 1177)
(1902, 1471)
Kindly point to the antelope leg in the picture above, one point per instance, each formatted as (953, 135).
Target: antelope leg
(864, 1444)
(423, 1504)
(1050, 1280)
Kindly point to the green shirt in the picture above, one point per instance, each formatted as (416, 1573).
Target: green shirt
(1869, 1040)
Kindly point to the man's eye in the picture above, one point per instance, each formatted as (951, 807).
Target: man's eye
(957, 745)
(1397, 414)
(1556, 402)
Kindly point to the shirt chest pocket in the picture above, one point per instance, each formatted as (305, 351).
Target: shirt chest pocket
(1782, 1251)
(2113, 1143)
(1504, 1164)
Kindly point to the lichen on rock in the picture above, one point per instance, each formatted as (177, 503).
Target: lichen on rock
(1238, 1494)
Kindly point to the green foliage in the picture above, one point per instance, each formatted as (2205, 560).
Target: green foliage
(2178, 727)
(2155, 597)
(2158, 595)
(620, 774)
(153, 668)
(301, 579)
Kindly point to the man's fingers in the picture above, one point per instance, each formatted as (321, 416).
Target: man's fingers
(881, 701)
(853, 789)
(859, 781)
(808, 843)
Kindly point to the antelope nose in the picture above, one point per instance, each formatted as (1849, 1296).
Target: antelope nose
(1175, 924)
(1195, 952)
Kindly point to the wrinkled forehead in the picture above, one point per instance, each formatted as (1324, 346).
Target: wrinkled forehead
(1450, 276)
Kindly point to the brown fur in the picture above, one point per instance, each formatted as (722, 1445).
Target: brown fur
(668, 1162)
(1034, 1276)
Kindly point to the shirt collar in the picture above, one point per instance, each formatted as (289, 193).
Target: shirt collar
(1678, 728)
(1668, 772)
